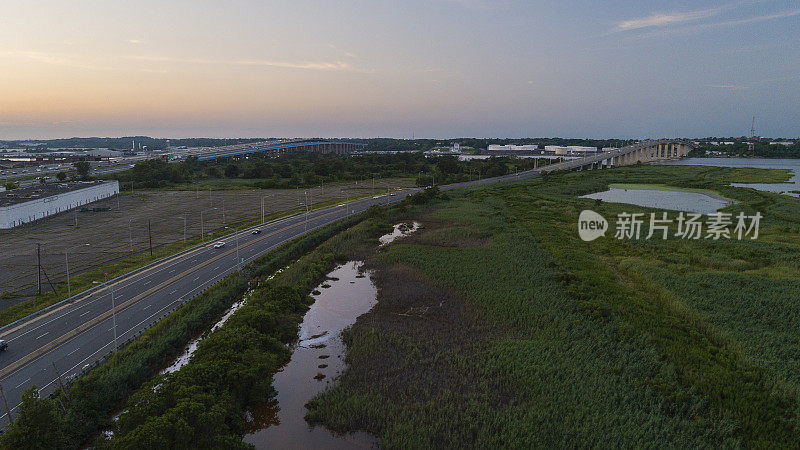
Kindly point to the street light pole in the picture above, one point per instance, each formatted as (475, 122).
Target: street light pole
(130, 233)
(262, 206)
(202, 224)
(184, 226)
(66, 256)
(306, 221)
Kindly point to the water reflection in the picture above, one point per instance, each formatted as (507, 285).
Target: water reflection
(317, 358)
(672, 200)
(400, 230)
(760, 163)
(184, 357)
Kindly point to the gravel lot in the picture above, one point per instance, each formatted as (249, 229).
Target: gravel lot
(122, 230)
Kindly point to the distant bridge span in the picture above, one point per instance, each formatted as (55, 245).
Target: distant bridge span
(642, 152)
(278, 148)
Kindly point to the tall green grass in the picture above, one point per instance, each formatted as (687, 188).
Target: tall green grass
(610, 343)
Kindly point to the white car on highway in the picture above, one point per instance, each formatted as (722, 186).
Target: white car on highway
(219, 244)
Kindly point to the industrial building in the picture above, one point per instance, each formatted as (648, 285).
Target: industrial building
(512, 148)
(19, 206)
(569, 150)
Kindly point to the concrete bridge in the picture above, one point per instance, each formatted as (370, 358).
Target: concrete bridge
(278, 147)
(642, 152)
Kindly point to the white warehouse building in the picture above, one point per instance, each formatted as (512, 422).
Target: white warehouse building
(25, 205)
(567, 150)
(512, 148)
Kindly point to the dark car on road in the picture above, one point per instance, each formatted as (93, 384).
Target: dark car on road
(3, 345)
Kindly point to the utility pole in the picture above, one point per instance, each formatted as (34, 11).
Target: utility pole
(150, 235)
(5, 402)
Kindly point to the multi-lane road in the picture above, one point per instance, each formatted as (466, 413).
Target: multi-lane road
(62, 342)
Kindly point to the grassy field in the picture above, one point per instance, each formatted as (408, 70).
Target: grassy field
(522, 335)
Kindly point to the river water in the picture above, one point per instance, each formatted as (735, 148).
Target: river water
(672, 200)
(704, 203)
(317, 359)
(761, 163)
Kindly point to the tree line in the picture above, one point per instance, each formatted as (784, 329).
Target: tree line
(304, 169)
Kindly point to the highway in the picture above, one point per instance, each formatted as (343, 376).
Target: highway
(65, 340)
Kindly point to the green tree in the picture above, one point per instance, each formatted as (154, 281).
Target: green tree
(61, 176)
(82, 167)
(448, 165)
(39, 425)
(11, 185)
(231, 171)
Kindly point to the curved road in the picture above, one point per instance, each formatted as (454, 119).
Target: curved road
(64, 341)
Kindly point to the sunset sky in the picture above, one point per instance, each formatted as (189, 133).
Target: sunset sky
(366, 68)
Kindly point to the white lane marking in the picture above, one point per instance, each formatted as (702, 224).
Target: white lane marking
(173, 292)
(43, 335)
(70, 353)
(202, 287)
(146, 307)
(29, 379)
(87, 312)
(147, 282)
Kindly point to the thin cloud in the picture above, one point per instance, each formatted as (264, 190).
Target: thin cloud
(693, 29)
(781, 15)
(52, 58)
(76, 61)
(731, 87)
(340, 66)
(135, 41)
(342, 51)
(662, 20)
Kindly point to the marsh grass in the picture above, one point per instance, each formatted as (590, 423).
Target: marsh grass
(544, 340)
